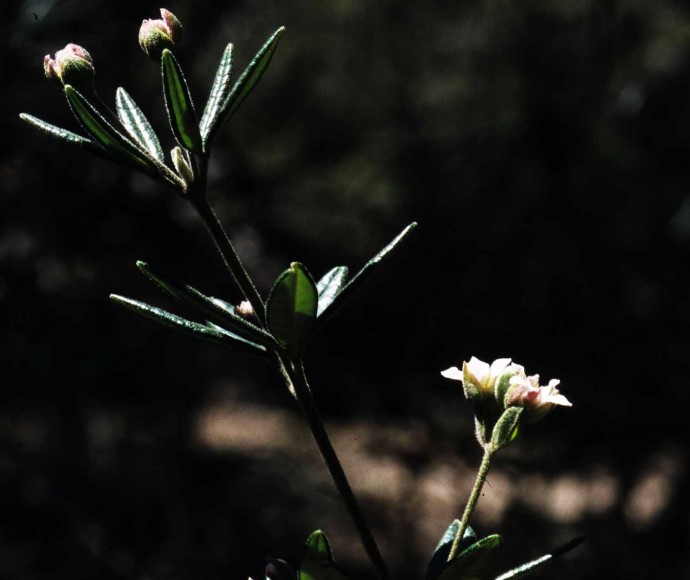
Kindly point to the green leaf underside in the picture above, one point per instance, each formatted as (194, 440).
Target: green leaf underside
(104, 133)
(216, 310)
(440, 558)
(528, 567)
(291, 308)
(246, 82)
(317, 562)
(473, 563)
(178, 103)
(211, 333)
(137, 125)
(369, 268)
(219, 93)
(329, 286)
(59, 133)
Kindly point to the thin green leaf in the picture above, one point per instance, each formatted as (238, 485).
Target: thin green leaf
(329, 286)
(475, 562)
(219, 94)
(440, 558)
(317, 562)
(195, 329)
(62, 134)
(178, 103)
(247, 81)
(291, 308)
(214, 309)
(369, 268)
(529, 567)
(104, 133)
(137, 124)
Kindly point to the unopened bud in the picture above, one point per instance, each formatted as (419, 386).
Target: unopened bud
(181, 166)
(244, 309)
(72, 65)
(160, 33)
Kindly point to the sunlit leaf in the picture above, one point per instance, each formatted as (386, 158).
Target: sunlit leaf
(440, 558)
(245, 83)
(317, 562)
(369, 268)
(219, 94)
(291, 308)
(62, 134)
(529, 567)
(178, 103)
(474, 562)
(195, 329)
(329, 286)
(137, 125)
(216, 310)
(104, 133)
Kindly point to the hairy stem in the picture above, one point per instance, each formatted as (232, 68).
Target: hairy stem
(311, 413)
(472, 501)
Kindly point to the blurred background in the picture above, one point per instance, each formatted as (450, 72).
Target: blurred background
(543, 148)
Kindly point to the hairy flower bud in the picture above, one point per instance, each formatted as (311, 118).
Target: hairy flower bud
(244, 309)
(72, 65)
(158, 34)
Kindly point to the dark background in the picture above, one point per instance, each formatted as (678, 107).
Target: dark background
(542, 146)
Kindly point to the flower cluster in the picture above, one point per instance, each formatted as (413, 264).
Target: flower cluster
(506, 384)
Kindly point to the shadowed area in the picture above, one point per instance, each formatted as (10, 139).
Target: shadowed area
(542, 148)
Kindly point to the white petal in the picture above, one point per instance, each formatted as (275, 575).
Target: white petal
(555, 400)
(479, 369)
(453, 373)
(498, 366)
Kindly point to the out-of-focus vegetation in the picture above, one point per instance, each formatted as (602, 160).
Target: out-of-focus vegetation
(542, 146)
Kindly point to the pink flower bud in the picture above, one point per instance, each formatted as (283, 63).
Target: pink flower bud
(156, 35)
(72, 65)
(537, 400)
(244, 309)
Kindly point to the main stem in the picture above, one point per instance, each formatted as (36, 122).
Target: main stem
(311, 413)
(230, 257)
(297, 382)
(472, 502)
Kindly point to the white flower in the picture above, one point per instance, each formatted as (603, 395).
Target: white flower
(479, 378)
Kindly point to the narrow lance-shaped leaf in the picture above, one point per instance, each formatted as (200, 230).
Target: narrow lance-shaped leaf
(329, 286)
(529, 567)
(105, 134)
(317, 562)
(219, 93)
(178, 103)
(216, 310)
(137, 124)
(245, 83)
(62, 134)
(195, 329)
(291, 308)
(369, 268)
(440, 558)
(474, 562)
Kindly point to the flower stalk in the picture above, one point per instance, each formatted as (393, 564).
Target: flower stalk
(482, 473)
